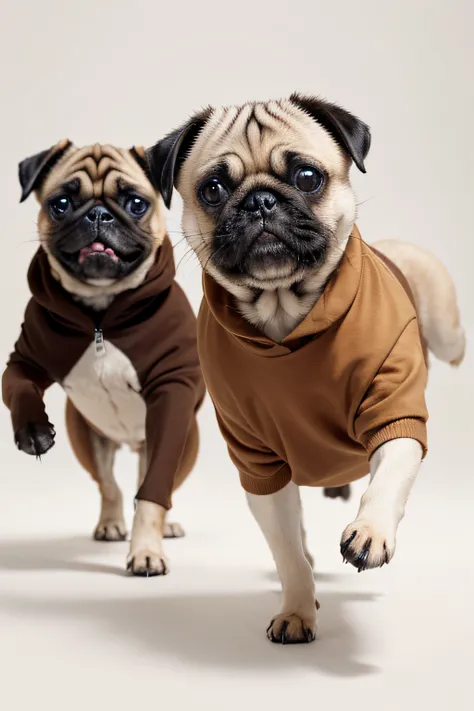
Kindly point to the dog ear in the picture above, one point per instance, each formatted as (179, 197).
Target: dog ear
(33, 170)
(139, 154)
(351, 133)
(168, 155)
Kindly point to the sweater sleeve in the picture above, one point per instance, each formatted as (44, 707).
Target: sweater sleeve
(23, 385)
(261, 471)
(170, 411)
(394, 404)
(173, 389)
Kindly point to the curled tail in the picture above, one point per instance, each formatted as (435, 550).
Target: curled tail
(435, 298)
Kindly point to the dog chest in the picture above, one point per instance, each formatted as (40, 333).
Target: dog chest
(103, 385)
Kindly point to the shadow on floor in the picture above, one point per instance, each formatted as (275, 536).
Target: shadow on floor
(59, 554)
(319, 576)
(62, 554)
(215, 630)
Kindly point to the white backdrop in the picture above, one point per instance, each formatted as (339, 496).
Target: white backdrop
(125, 73)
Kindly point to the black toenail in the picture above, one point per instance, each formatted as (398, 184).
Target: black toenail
(283, 636)
(346, 544)
(363, 557)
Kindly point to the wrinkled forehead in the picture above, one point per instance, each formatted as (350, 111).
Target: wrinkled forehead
(96, 171)
(257, 138)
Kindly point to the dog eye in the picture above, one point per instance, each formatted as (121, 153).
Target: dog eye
(308, 179)
(136, 206)
(60, 206)
(212, 192)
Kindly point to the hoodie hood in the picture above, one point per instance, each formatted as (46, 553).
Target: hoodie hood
(126, 306)
(334, 302)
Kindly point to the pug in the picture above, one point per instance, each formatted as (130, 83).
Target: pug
(309, 339)
(108, 322)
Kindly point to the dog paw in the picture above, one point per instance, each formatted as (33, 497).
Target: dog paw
(147, 564)
(35, 439)
(366, 545)
(173, 530)
(110, 530)
(290, 628)
(338, 492)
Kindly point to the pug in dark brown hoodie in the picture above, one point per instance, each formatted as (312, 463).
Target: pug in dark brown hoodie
(108, 323)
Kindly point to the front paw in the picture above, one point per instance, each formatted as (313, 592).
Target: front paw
(292, 628)
(35, 439)
(146, 564)
(367, 545)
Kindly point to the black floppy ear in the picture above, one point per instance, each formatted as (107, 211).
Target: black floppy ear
(33, 170)
(350, 132)
(168, 155)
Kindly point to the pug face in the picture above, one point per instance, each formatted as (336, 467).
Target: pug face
(265, 186)
(100, 220)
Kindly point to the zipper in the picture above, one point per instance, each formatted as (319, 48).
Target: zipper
(99, 342)
(99, 347)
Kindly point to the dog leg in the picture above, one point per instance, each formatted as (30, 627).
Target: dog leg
(369, 542)
(279, 516)
(338, 492)
(146, 557)
(111, 526)
(304, 541)
(171, 530)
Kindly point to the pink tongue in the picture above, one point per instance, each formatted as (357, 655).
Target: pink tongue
(96, 247)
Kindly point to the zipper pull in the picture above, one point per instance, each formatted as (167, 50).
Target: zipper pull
(99, 342)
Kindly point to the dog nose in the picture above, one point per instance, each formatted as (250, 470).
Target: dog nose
(99, 214)
(262, 201)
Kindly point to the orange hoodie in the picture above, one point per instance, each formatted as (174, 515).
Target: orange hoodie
(313, 408)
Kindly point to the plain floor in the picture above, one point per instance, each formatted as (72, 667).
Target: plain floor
(76, 632)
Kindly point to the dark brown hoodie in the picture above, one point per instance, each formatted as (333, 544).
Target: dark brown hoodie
(153, 325)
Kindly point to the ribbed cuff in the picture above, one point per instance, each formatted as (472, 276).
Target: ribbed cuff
(410, 427)
(145, 495)
(268, 485)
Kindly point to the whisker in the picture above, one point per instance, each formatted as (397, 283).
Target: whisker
(183, 239)
(191, 236)
(358, 204)
(202, 236)
(189, 252)
(180, 232)
(213, 254)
